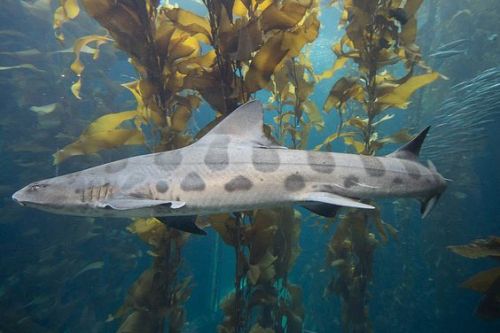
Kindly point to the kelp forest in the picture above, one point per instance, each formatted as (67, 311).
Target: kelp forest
(87, 82)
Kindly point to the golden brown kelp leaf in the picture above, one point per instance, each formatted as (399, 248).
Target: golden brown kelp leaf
(103, 133)
(128, 22)
(264, 63)
(276, 50)
(332, 137)
(260, 234)
(384, 229)
(358, 146)
(242, 7)
(339, 63)
(402, 136)
(68, 10)
(400, 95)
(247, 40)
(225, 226)
(77, 66)
(343, 90)
(150, 230)
(479, 248)
(45, 109)
(262, 271)
(284, 16)
(482, 281)
(195, 25)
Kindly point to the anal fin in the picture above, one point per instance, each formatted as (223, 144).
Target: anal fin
(184, 223)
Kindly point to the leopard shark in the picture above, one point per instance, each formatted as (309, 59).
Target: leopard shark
(235, 167)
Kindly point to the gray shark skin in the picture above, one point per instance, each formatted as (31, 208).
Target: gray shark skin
(236, 168)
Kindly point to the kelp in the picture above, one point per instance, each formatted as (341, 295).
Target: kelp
(253, 44)
(55, 282)
(156, 294)
(165, 47)
(479, 248)
(68, 10)
(378, 34)
(157, 42)
(104, 133)
(262, 293)
(77, 66)
(291, 87)
(486, 282)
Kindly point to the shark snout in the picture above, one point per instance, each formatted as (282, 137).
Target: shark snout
(16, 198)
(35, 193)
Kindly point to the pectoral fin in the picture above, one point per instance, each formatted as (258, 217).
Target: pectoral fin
(335, 199)
(183, 223)
(127, 203)
(322, 209)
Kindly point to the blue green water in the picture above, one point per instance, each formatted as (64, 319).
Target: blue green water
(69, 274)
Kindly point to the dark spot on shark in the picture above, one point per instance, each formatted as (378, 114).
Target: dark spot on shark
(162, 186)
(397, 180)
(350, 181)
(133, 181)
(217, 157)
(78, 190)
(294, 183)
(265, 160)
(169, 160)
(192, 182)
(239, 183)
(373, 166)
(412, 169)
(321, 162)
(114, 167)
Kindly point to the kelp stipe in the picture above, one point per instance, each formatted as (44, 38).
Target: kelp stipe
(255, 42)
(378, 34)
(158, 48)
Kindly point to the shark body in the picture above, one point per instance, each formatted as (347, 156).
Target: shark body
(233, 168)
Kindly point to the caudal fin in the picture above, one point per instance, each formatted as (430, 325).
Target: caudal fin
(428, 204)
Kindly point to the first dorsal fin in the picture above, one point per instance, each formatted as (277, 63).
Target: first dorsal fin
(411, 150)
(245, 127)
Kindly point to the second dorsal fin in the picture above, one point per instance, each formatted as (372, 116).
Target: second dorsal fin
(245, 127)
(411, 150)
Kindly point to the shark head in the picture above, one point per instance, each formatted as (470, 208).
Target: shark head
(52, 195)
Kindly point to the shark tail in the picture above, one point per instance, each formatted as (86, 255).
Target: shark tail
(428, 204)
(411, 151)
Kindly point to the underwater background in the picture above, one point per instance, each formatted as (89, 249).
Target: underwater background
(87, 82)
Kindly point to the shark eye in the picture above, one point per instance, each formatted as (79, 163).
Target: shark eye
(36, 187)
